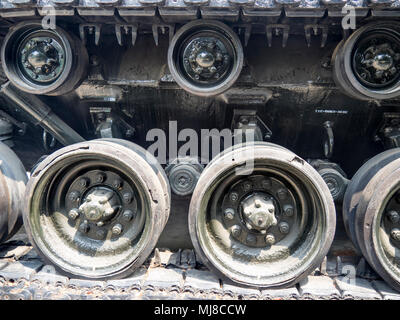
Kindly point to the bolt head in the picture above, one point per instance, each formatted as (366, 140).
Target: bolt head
(84, 182)
(117, 229)
(127, 196)
(236, 231)
(284, 227)
(73, 214)
(229, 214)
(393, 216)
(395, 233)
(282, 194)
(127, 215)
(288, 210)
(270, 239)
(234, 196)
(117, 183)
(100, 177)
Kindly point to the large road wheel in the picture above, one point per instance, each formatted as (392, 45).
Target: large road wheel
(269, 228)
(377, 220)
(39, 61)
(96, 209)
(357, 184)
(367, 64)
(12, 188)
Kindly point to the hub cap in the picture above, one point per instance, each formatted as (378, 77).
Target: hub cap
(206, 59)
(41, 59)
(376, 61)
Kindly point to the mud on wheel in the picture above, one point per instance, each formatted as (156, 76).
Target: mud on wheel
(96, 209)
(374, 221)
(269, 228)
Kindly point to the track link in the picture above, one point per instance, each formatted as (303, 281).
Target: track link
(167, 275)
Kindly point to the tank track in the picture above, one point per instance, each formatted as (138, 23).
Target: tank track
(171, 275)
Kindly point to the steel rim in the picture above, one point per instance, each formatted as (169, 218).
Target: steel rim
(38, 61)
(385, 229)
(376, 59)
(278, 257)
(63, 238)
(205, 58)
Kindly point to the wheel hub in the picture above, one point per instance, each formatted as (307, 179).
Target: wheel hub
(259, 212)
(100, 204)
(42, 58)
(206, 59)
(377, 60)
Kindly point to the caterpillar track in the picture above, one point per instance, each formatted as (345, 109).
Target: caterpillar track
(173, 275)
(259, 141)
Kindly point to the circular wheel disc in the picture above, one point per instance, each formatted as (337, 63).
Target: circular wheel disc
(367, 64)
(357, 184)
(12, 188)
(205, 57)
(39, 61)
(96, 209)
(377, 221)
(269, 228)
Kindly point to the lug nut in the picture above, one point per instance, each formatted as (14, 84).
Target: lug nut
(395, 233)
(288, 210)
(73, 196)
(127, 197)
(229, 213)
(284, 227)
(247, 186)
(84, 182)
(270, 239)
(117, 183)
(266, 184)
(127, 215)
(100, 177)
(282, 194)
(117, 229)
(73, 214)
(393, 216)
(234, 196)
(236, 230)
(84, 227)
